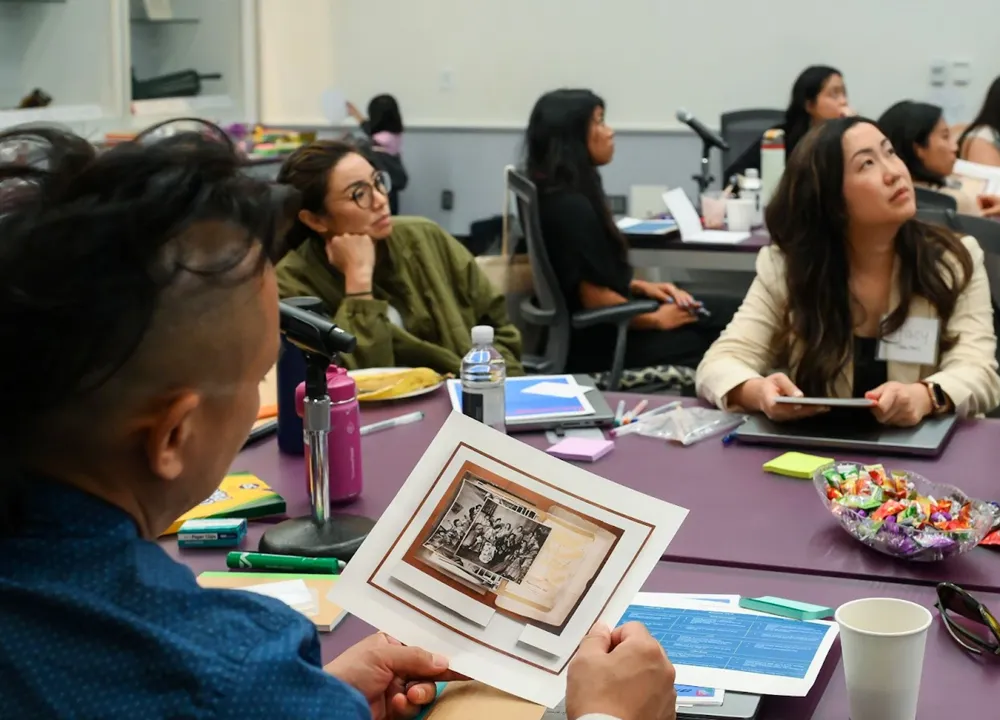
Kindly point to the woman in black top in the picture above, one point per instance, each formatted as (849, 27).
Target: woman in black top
(566, 141)
(819, 94)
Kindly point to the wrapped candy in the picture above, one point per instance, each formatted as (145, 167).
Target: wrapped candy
(886, 511)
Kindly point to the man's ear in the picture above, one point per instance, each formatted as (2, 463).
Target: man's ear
(170, 435)
(314, 222)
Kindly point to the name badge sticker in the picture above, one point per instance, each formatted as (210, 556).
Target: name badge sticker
(916, 342)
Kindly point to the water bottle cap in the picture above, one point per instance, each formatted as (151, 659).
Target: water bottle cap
(752, 173)
(482, 335)
(339, 385)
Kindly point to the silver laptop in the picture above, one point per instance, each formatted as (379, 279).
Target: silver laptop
(855, 431)
(603, 415)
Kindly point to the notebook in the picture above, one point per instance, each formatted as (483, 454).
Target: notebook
(306, 593)
(240, 495)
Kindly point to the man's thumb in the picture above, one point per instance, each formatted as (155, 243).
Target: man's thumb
(409, 662)
(597, 641)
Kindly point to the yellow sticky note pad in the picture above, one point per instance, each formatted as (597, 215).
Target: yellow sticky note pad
(796, 465)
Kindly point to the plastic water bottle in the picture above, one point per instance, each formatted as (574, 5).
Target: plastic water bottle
(772, 163)
(750, 189)
(484, 373)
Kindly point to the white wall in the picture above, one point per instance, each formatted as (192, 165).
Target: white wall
(297, 58)
(66, 49)
(648, 57)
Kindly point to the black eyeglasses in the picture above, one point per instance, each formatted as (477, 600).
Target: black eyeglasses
(953, 600)
(363, 193)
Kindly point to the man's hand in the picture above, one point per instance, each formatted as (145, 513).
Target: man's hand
(396, 680)
(901, 405)
(761, 394)
(354, 256)
(624, 674)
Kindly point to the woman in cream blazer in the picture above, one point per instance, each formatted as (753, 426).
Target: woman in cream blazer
(847, 258)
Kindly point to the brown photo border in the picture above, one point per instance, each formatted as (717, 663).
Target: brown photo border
(423, 501)
(527, 497)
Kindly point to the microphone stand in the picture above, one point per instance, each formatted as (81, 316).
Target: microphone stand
(704, 179)
(320, 534)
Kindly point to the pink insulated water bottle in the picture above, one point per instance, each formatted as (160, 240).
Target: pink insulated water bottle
(344, 439)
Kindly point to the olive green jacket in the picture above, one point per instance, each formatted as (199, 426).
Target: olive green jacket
(430, 279)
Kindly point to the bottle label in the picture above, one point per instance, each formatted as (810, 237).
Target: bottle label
(474, 406)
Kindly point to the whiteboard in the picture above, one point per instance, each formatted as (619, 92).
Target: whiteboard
(476, 63)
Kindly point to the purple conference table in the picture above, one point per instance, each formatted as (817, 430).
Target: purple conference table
(955, 683)
(740, 516)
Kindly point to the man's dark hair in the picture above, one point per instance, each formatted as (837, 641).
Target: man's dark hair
(111, 267)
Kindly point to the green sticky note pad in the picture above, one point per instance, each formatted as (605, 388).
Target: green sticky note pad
(796, 465)
(786, 608)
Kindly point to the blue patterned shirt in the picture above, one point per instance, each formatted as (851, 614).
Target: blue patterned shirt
(96, 622)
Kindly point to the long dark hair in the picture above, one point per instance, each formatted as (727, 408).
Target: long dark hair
(307, 170)
(989, 113)
(808, 85)
(384, 115)
(908, 124)
(556, 156)
(808, 221)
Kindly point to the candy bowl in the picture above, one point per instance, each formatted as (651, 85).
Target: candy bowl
(902, 514)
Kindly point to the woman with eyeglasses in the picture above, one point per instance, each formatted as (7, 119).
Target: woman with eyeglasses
(407, 289)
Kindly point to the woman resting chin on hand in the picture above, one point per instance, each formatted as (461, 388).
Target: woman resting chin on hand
(849, 266)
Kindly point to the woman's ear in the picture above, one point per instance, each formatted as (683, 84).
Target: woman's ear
(314, 222)
(921, 151)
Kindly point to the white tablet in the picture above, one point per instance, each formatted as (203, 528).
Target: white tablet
(828, 402)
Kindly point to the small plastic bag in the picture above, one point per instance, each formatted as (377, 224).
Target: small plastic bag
(688, 425)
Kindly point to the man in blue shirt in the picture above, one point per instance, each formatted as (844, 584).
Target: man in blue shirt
(138, 314)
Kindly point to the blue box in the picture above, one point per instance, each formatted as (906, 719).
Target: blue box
(212, 533)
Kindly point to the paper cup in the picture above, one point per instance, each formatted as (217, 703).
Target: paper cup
(740, 214)
(883, 647)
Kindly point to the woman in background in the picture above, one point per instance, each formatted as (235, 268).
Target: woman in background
(980, 143)
(384, 126)
(566, 142)
(849, 266)
(819, 94)
(407, 290)
(923, 141)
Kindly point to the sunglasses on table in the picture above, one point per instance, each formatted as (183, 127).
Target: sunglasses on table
(953, 603)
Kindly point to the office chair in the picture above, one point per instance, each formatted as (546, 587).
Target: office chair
(548, 309)
(927, 198)
(742, 128)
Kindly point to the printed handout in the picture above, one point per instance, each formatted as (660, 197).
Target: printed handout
(502, 557)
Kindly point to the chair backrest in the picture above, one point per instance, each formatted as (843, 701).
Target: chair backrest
(742, 128)
(552, 310)
(927, 198)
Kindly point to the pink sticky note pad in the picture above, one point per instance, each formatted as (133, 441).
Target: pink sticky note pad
(585, 449)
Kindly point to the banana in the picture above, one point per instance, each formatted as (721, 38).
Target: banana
(385, 386)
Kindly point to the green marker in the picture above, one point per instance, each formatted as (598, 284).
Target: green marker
(283, 563)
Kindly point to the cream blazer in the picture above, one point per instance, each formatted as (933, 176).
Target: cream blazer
(746, 349)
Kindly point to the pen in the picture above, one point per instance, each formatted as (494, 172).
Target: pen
(620, 412)
(697, 309)
(639, 407)
(283, 563)
(728, 438)
(633, 427)
(392, 422)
